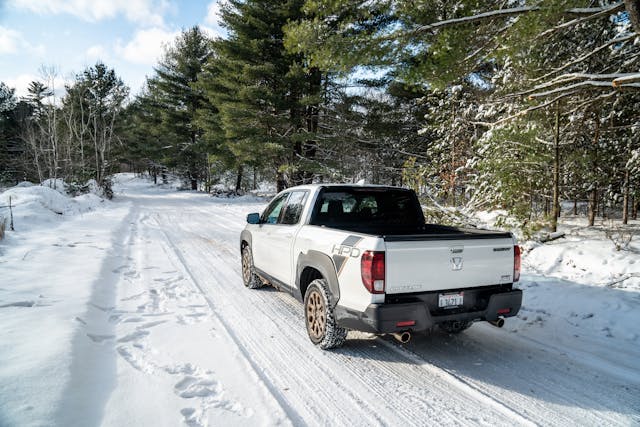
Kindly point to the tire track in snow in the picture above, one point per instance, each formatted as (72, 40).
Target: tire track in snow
(414, 401)
(209, 245)
(291, 413)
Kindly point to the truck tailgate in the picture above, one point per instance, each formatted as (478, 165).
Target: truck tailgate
(422, 265)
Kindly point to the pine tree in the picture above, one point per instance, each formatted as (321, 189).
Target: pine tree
(266, 98)
(11, 148)
(174, 96)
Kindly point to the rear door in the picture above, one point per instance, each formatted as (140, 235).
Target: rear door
(430, 265)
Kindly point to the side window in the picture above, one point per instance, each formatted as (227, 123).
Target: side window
(272, 213)
(294, 207)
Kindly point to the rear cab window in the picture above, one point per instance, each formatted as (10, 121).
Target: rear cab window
(369, 210)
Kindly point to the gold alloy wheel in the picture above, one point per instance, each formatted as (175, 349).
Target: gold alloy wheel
(316, 317)
(246, 266)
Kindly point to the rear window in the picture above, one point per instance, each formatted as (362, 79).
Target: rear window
(377, 210)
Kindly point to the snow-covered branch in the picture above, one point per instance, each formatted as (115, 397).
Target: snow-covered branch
(626, 80)
(588, 55)
(570, 88)
(592, 13)
(479, 17)
(584, 80)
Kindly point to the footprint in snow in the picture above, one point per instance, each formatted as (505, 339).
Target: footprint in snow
(19, 304)
(132, 297)
(101, 308)
(119, 269)
(138, 362)
(99, 339)
(191, 417)
(151, 324)
(133, 320)
(138, 334)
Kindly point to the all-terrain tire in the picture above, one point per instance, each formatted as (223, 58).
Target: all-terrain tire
(455, 327)
(249, 276)
(320, 319)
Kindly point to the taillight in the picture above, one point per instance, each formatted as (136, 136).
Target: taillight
(372, 269)
(516, 263)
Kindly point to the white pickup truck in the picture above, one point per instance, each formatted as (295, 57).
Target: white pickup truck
(363, 258)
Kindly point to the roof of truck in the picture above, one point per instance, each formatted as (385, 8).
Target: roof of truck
(325, 185)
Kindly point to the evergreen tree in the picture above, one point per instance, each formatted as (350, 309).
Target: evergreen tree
(267, 99)
(11, 148)
(175, 98)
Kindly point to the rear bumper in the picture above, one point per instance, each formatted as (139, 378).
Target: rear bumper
(382, 318)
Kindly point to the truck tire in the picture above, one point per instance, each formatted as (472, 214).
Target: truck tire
(319, 318)
(249, 276)
(455, 326)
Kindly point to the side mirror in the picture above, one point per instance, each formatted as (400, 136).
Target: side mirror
(253, 218)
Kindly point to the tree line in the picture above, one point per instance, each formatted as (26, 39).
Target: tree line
(476, 105)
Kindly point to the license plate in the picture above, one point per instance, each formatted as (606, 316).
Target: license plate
(454, 299)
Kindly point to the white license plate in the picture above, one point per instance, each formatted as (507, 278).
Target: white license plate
(454, 299)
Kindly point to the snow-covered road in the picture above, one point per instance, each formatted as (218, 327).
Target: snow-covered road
(170, 335)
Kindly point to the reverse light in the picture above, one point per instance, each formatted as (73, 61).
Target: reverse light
(516, 263)
(372, 271)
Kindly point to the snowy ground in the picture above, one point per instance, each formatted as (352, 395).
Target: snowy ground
(132, 312)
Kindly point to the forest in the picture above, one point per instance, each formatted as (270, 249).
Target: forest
(526, 106)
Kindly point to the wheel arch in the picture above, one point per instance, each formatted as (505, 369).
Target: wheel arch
(316, 265)
(245, 239)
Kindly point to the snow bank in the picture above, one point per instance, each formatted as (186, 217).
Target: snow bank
(37, 206)
(590, 260)
(56, 184)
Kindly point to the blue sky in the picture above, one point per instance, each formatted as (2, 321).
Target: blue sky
(70, 35)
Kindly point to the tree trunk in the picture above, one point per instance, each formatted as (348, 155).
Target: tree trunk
(547, 206)
(556, 172)
(633, 9)
(312, 112)
(255, 178)
(239, 179)
(634, 209)
(593, 205)
(593, 196)
(281, 183)
(575, 207)
(625, 198)
(194, 183)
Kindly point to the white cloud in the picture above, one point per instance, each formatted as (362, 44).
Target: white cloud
(97, 52)
(147, 12)
(146, 47)
(213, 13)
(12, 41)
(21, 83)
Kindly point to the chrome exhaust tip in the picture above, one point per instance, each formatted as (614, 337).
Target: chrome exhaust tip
(498, 323)
(403, 337)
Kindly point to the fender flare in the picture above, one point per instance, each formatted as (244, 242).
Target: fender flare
(324, 264)
(245, 236)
